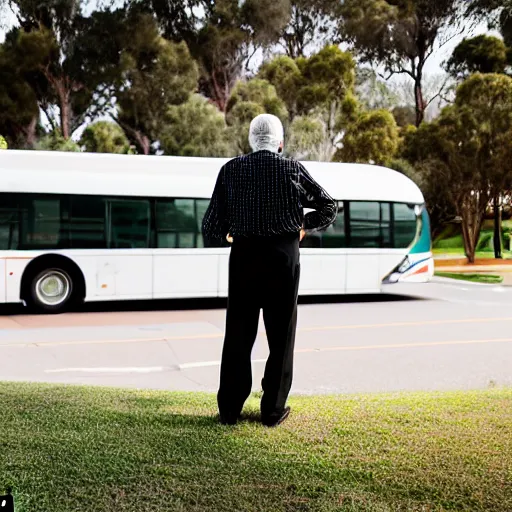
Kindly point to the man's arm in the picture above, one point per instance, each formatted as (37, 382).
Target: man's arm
(215, 226)
(313, 196)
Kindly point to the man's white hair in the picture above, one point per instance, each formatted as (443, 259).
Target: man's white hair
(266, 132)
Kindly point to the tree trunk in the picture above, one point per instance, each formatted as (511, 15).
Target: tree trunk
(145, 144)
(497, 228)
(65, 109)
(472, 218)
(29, 133)
(469, 242)
(419, 100)
(142, 141)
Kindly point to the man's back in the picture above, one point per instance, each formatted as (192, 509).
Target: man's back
(264, 194)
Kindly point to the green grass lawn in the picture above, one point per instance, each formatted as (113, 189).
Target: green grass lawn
(67, 449)
(458, 252)
(451, 243)
(474, 278)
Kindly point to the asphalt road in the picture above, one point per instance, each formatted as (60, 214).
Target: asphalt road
(451, 335)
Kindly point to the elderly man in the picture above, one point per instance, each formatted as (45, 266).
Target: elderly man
(257, 205)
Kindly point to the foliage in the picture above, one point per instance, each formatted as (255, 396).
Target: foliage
(58, 53)
(372, 138)
(19, 111)
(196, 128)
(308, 140)
(156, 74)
(405, 115)
(249, 99)
(489, 97)
(498, 14)
(424, 173)
(373, 92)
(3, 143)
(399, 35)
(284, 74)
(328, 77)
(259, 92)
(319, 89)
(466, 153)
(438, 90)
(230, 32)
(312, 25)
(480, 54)
(105, 137)
(177, 19)
(54, 141)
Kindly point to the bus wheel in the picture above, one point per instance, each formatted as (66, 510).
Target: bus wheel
(51, 290)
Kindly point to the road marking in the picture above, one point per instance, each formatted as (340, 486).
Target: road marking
(105, 342)
(203, 364)
(406, 324)
(206, 364)
(404, 345)
(165, 339)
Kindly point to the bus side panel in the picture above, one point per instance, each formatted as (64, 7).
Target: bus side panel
(363, 271)
(185, 273)
(121, 274)
(322, 272)
(2, 281)
(14, 268)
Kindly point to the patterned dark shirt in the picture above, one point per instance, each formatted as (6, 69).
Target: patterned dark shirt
(264, 194)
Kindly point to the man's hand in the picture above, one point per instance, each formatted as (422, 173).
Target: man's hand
(302, 234)
(229, 238)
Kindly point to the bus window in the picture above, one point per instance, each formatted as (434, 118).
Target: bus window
(201, 207)
(129, 224)
(364, 224)
(10, 217)
(312, 240)
(335, 236)
(405, 225)
(385, 225)
(176, 225)
(42, 226)
(87, 223)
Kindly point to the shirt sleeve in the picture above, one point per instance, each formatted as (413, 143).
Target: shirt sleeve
(215, 223)
(313, 196)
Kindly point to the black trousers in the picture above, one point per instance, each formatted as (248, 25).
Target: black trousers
(263, 275)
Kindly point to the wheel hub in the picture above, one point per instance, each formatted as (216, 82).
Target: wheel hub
(53, 288)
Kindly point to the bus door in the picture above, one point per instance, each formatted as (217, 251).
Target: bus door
(182, 267)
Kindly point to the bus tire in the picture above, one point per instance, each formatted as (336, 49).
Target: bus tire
(52, 287)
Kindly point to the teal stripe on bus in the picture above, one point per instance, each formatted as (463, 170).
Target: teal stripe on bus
(424, 242)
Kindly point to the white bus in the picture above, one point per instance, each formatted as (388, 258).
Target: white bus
(86, 227)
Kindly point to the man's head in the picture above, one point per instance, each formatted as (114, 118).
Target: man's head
(266, 132)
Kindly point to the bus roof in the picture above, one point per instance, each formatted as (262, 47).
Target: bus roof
(167, 176)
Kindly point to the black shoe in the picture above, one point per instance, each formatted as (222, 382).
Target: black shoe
(226, 419)
(276, 419)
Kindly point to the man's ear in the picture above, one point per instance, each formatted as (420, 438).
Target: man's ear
(281, 146)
